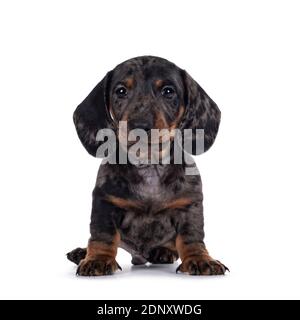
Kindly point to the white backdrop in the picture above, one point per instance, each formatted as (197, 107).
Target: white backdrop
(245, 54)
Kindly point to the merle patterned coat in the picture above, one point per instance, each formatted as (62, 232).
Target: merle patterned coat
(153, 211)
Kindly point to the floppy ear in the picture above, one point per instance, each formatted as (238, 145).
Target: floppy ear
(201, 113)
(92, 115)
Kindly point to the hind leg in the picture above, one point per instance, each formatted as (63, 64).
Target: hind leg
(138, 260)
(163, 254)
(76, 255)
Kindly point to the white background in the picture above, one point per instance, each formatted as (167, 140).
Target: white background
(245, 54)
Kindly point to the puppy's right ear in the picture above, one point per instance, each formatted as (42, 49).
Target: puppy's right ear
(92, 115)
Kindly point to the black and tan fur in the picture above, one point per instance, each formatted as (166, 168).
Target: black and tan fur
(153, 211)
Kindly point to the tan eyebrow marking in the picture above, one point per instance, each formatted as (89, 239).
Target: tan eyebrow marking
(158, 83)
(129, 82)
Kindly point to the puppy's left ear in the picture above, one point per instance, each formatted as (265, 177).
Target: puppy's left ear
(92, 115)
(201, 113)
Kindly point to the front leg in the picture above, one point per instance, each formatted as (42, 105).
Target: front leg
(196, 260)
(100, 258)
(103, 244)
(191, 248)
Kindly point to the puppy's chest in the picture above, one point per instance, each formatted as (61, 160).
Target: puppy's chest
(150, 224)
(151, 187)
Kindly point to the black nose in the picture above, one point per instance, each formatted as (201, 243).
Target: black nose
(145, 124)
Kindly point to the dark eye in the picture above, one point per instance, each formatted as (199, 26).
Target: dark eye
(168, 92)
(121, 92)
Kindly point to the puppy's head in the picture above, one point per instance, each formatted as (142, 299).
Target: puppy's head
(148, 93)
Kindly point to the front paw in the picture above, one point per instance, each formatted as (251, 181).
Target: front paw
(99, 266)
(198, 265)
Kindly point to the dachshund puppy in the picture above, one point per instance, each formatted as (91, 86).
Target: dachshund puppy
(154, 211)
